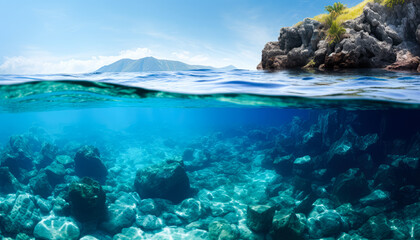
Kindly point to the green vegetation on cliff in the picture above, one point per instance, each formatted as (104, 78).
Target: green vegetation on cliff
(335, 32)
(346, 14)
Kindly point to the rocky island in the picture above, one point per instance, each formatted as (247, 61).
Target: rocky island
(386, 34)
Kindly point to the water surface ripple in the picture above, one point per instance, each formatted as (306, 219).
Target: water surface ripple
(286, 88)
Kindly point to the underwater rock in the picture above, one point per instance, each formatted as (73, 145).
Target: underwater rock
(376, 227)
(118, 216)
(149, 222)
(21, 236)
(327, 223)
(353, 217)
(88, 237)
(306, 205)
(171, 219)
(401, 231)
(377, 198)
(407, 195)
(65, 160)
(55, 172)
(303, 166)
(180, 233)
(57, 229)
(287, 227)
(61, 207)
(150, 206)
(190, 210)
(131, 233)
(88, 163)
(386, 178)
(167, 180)
(346, 236)
(195, 159)
(40, 185)
(8, 183)
(246, 234)
(23, 216)
(48, 154)
(222, 230)
(259, 217)
(18, 157)
(87, 200)
(283, 165)
(44, 205)
(350, 151)
(350, 186)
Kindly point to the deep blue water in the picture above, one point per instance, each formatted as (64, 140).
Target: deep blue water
(237, 125)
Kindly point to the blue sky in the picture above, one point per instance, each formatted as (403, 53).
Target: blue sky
(80, 36)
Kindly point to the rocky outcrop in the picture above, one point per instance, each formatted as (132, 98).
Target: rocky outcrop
(89, 164)
(8, 183)
(87, 200)
(259, 217)
(167, 180)
(379, 37)
(408, 63)
(294, 47)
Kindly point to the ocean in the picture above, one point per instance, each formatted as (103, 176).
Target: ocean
(208, 154)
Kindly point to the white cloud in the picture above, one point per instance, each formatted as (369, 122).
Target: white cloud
(187, 57)
(49, 64)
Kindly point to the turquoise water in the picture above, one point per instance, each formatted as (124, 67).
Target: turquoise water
(335, 152)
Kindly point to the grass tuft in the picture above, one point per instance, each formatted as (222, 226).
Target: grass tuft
(346, 14)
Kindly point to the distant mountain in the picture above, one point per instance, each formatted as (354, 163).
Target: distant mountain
(149, 64)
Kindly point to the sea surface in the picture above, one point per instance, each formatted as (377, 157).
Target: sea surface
(210, 154)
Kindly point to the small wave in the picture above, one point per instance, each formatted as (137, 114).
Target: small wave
(253, 84)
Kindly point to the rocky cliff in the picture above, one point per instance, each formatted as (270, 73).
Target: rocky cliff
(381, 37)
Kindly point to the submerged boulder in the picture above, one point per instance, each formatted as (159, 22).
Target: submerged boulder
(40, 185)
(327, 223)
(87, 200)
(119, 216)
(56, 229)
(259, 217)
(377, 227)
(350, 186)
(167, 180)
(88, 164)
(191, 210)
(23, 216)
(283, 165)
(55, 172)
(18, 156)
(48, 154)
(149, 222)
(287, 227)
(303, 166)
(131, 233)
(222, 230)
(8, 183)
